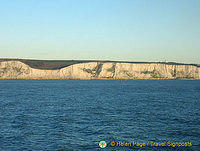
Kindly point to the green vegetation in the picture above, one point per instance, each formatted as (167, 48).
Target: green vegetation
(47, 64)
(58, 64)
(112, 69)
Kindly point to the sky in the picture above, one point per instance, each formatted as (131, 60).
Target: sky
(128, 30)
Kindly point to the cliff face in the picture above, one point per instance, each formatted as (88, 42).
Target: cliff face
(100, 70)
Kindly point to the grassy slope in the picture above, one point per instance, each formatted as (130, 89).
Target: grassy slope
(58, 64)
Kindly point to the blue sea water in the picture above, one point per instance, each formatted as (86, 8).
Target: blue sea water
(77, 114)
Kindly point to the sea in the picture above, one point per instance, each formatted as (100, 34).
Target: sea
(81, 115)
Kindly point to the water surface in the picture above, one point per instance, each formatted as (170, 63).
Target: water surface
(77, 114)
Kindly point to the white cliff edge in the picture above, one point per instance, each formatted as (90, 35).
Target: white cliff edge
(101, 70)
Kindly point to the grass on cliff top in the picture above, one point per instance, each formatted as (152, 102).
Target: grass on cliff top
(58, 64)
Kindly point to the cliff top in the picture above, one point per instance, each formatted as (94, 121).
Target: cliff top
(58, 64)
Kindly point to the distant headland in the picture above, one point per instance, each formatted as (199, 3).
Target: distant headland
(95, 69)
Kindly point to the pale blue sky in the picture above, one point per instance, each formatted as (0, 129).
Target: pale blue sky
(133, 30)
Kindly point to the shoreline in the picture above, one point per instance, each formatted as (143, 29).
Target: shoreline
(95, 79)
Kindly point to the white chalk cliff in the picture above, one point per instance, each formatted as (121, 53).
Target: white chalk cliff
(100, 70)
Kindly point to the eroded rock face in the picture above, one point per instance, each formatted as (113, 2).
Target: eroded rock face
(101, 70)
